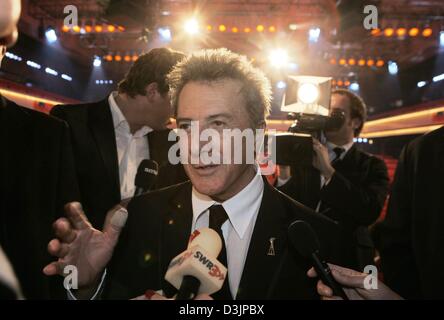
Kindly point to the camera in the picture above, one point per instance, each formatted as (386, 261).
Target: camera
(307, 101)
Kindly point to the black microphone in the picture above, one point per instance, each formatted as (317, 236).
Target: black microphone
(146, 176)
(303, 238)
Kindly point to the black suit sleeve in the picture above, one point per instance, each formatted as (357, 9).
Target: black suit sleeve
(398, 262)
(361, 203)
(68, 189)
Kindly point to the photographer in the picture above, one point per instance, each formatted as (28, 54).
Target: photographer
(345, 184)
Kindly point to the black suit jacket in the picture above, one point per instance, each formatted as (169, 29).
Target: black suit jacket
(354, 197)
(95, 153)
(36, 179)
(159, 226)
(412, 234)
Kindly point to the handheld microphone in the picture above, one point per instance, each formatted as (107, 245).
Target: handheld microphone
(303, 238)
(146, 176)
(196, 270)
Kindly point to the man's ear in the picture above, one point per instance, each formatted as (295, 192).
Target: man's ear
(151, 90)
(356, 123)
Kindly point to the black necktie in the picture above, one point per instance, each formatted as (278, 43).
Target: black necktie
(338, 152)
(218, 216)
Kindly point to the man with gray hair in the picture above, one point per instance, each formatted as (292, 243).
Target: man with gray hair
(218, 90)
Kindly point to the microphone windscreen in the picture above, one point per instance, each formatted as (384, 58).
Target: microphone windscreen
(208, 239)
(303, 238)
(146, 174)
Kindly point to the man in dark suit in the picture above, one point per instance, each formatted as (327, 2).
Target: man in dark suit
(111, 137)
(411, 237)
(36, 179)
(345, 184)
(217, 90)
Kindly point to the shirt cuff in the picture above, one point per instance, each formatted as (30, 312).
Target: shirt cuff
(96, 294)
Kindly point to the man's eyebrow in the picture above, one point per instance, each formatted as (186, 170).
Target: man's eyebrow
(183, 119)
(219, 115)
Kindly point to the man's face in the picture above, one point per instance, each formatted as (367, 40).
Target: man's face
(160, 110)
(219, 106)
(346, 133)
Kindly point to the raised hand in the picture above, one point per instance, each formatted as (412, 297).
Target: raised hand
(77, 243)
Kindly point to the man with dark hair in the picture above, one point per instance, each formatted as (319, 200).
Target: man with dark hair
(346, 185)
(111, 137)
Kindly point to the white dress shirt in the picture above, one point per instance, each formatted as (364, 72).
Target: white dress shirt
(131, 148)
(242, 211)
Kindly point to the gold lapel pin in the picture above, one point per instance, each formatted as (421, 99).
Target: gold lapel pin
(271, 251)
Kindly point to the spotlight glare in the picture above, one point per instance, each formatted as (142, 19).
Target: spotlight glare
(247, 30)
(438, 78)
(66, 77)
(392, 67)
(51, 71)
(293, 66)
(293, 26)
(33, 64)
(281, 85)
(421, 84)
(354, 86)
(389, 32)
(427, 32)
(401, 32)
(222, 28)
(441, 38)
(192, 26)
(97, 62)
(51, 35)
(278, 57)
(380, 63)
(260, 28)
(308, 93)
(165, 34)
(413, 32)
(313, 34)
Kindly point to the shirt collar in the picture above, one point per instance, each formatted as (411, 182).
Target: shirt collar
(120, 120)
(346, 147)
(118, 117)
(241, 208)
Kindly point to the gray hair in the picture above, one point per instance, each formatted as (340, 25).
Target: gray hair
(219, 64)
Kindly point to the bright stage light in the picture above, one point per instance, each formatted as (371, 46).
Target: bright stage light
(281, 85)
(438, 78)
(165, 34)
(51, 35)
(192, 26)
(421, 84)
(313, 34)
(278, 58)
(354, 86)
(97, 62)
(393, 68)
(308, 93)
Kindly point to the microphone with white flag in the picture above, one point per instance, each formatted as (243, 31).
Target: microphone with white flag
(196, 270)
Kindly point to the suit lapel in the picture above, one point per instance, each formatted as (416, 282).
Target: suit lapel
(176, 229)
(270, 223)
(102, 128)
(349, 160)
